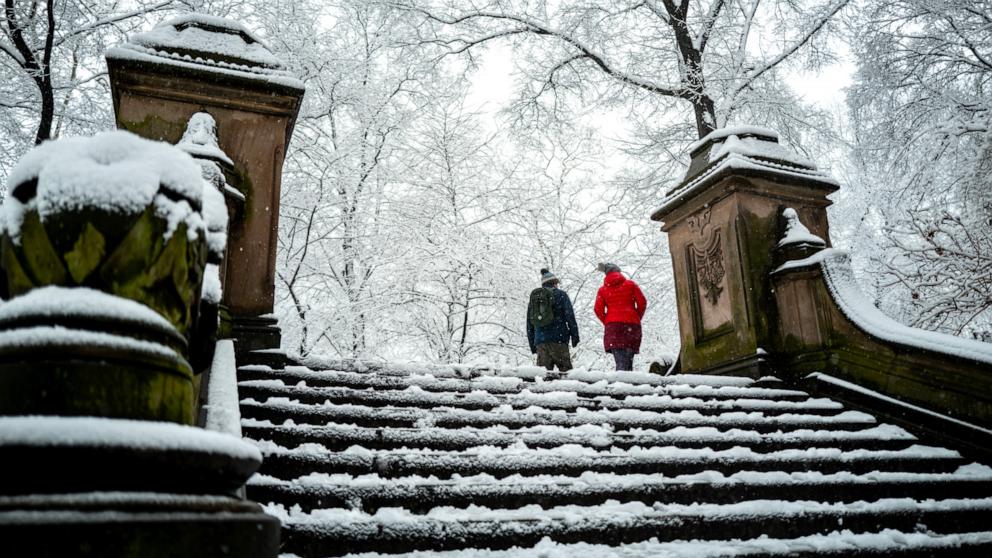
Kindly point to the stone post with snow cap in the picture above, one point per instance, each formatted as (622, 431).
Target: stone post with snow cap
(723, 221)
(202, 64)
(759, 289)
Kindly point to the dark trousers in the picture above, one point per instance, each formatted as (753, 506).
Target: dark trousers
(624, 358)
(550, 355)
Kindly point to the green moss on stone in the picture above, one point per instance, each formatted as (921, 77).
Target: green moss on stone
(86, 254)
(42, 262)
(156, 128)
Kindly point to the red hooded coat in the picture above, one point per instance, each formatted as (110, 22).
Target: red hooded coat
(620, 305)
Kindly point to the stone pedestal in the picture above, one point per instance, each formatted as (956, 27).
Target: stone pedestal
(723, 223)
(86, 486)
(160, 79)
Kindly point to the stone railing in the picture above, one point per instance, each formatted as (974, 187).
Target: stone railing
(826, 324)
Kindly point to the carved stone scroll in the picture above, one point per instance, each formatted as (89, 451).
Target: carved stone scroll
(708, 271)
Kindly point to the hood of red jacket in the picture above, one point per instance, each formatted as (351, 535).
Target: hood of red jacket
(613, 279)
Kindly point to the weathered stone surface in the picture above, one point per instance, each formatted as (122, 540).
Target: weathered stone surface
(721, 240)
(154, 96)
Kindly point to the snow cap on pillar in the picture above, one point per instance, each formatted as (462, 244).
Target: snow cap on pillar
(218, 83)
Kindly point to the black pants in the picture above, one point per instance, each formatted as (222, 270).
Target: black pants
(550, 355)
(624, 358)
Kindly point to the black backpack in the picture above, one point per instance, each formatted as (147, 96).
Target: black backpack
(542, 311)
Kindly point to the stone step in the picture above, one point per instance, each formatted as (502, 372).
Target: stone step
(268, 358)
(340, 532)
(460, 371)
(508, 385)
(415, 397)
(287, 463)
(419, 495)
(338, 437)
(278, 410)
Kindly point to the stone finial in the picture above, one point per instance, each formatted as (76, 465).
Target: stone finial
(89, 223)
(796, 232)
(200, 139)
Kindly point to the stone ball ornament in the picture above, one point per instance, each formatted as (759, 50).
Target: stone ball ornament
(103, 251)
(113, 212)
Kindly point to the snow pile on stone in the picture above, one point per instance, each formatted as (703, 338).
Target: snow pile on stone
(796, 232)
(200, 138)
(80, 302)
(209, 35)
(116, 172)
(215, 217)
(57, 337)
(221, 406)
(119, 433)
(197, 40)
(212, 291)
(745, 148)
(839, 276)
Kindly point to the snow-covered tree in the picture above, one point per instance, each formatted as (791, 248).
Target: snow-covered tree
(713, 58)
(922, 112)
(52, 73)
(361, 92)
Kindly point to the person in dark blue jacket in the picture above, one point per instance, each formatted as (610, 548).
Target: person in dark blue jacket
(550, 341)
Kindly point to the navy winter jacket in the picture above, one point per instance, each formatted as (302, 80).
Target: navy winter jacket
(558, 331)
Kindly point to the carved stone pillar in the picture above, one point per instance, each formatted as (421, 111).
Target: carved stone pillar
(197, 63)
(723, 223)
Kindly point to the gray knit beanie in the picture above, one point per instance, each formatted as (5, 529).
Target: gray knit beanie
(607, 267)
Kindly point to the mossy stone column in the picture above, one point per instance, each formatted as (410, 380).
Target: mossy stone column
(196, 63)
(723, 223)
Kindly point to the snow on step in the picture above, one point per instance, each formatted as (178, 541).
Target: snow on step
(535, 416)
(593, 481)
(500, 385)
(395, 458)
(574, 459)
(616, 512)
(586, 435)
(416, 396)
(614, 521)
(419, 494)
(837, 543)
(521, 372)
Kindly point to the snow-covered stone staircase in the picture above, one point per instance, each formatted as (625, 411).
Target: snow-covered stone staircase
(399, 459)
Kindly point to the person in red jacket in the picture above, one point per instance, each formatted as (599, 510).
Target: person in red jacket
(620, 305)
